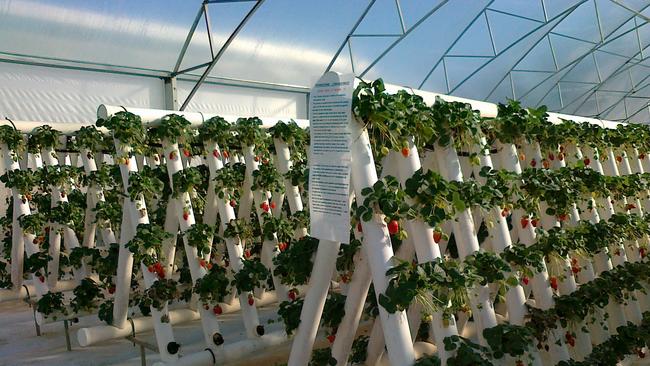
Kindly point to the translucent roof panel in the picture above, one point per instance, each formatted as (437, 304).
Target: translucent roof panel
(577, 56)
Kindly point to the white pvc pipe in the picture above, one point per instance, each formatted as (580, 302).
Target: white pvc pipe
(379, 250)
(185, 217)
(426, 250)
(539, 283)
(466, 240)
(235, 251)
(151, 117)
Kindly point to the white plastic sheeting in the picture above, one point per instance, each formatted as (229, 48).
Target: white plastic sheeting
(34, 93)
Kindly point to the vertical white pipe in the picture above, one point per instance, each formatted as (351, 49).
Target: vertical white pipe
(379, 250)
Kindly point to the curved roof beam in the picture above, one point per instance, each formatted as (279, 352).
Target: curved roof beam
(398, 40)
(442, 57)
(538, 33)
(570, 66)
(220, 53)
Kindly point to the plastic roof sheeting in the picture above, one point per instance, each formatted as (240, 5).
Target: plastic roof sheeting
(586, 57)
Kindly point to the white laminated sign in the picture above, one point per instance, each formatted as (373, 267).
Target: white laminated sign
(330, 115)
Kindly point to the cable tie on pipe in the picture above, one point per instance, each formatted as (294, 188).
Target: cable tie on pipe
(132, 325)
(12, 123)
(214, 359)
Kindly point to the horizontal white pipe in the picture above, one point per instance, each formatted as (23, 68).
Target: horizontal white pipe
(21, 293)
(100, 333)
(153, 116)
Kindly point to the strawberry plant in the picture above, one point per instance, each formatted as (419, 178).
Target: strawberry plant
(105, 312)
(289, 311)
(252, 275)
(160, 293)
(172, 128)
(51, 303)
(23, 181)
(86, 296)
(238, 228)
(385, 197)
(145, 183)
(213, 287)
(89, 137)
(43, 137)
(216, 129)
(108, 214)
(294, 265)
(37, 264)
(13, 139)
(186, 180)
(229, 181)
(127, 128)
(333, 311)
(33, 224)
(250, 133)
(79, 254)
(197, 236)
(267, 179)
(146, 245)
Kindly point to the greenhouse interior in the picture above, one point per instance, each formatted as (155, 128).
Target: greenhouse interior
(367, 182)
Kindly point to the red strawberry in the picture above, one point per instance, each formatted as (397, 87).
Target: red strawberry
(206, 307)
(331, 338)
(546, 164)
(172, 155)
(393, 227)
(344, 278)
(619, 158)
(186, 152)
(215, 153)
(522, 156)
(282, 246)
(359, 228)
(247, 253)
(575, 269)
(217, 310)
(524, 222)
(256, 158)
(533, 163)
(642, 252)
(225, 154)
(292, 295)
(208, 266)
(630, 206)
(553, 281)
(272, 205)
(233, 203)
(111, 290)
(41, 278)
(587, 161)
(405, 152)
(62, 194)
(265, 161)
(265, 206)
(519, 363)
(251, 300)
(640, 353)
(525, 280)
(535, 222)
(202, 263)
(551, 156)
(562, 217)
(150, 269)
(560, 156)
(642, 156)
(504, 212)
(35, 241)
(437, 236)
(186, 216)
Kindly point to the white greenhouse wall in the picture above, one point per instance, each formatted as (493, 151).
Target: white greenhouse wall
(243, 101)
(37, 93)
